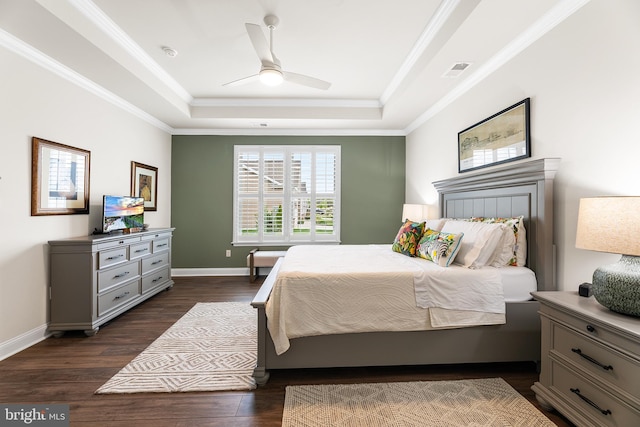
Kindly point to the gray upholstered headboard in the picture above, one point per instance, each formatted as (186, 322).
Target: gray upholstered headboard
(518, 189)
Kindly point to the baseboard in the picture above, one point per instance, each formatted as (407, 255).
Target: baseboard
(185, 272)
(26, 340)
(242, 271)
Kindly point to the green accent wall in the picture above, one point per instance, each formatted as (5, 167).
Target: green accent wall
(373, 185)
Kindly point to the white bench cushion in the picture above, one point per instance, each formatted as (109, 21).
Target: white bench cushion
(265, 258)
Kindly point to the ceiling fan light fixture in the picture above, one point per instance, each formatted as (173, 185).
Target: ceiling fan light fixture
(271, 77)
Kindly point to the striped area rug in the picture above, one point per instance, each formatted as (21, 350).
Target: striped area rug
(483, 402)
(212, 347)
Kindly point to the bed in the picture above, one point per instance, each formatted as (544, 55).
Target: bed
(519, 189)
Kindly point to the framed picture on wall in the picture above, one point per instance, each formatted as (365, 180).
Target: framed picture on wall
(503, 137)
(144, 183)
(59, 178)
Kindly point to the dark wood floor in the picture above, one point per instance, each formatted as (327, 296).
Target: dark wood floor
(69, 369)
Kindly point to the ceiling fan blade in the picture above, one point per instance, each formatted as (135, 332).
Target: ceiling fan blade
(301, 79)
(259, 43)
(243, 81)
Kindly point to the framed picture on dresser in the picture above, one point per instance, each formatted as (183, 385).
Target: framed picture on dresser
(144, 183)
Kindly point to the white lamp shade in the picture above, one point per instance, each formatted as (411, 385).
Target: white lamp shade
(415, 212)
(609, 224)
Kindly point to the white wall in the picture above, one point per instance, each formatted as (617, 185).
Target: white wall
(36, 102)
(583, 78)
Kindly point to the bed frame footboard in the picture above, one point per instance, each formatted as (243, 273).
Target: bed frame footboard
(522, 188)
(518, 340)
(260, 373)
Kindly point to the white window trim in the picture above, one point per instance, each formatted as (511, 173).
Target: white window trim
(287, 237)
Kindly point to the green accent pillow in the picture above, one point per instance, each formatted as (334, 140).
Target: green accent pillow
(406, 241)
(441, 248)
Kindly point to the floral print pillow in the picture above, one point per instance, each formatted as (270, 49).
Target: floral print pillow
(441, 248)
(407, 239)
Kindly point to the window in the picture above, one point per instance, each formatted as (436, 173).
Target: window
(286, 194)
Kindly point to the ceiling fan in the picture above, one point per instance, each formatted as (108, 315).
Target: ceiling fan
(271, 73)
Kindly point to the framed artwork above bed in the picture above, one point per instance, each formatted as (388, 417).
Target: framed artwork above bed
(503, 137)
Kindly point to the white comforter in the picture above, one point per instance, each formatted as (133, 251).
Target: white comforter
(369, 288)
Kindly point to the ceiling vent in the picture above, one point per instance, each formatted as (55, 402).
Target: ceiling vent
(456, 69)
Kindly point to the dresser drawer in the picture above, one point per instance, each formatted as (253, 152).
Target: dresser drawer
(604, 363)
(117, 297)
(155, 279)
(160, 245)
(116, 243)
(113, 277)
(139, 250)
(591, 400)
(154, 262)
(107, 258)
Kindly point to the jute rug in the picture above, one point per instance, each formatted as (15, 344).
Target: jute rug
(482, 402)
(212, 347)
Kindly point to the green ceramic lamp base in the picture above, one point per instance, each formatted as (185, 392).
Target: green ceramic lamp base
(617, 286)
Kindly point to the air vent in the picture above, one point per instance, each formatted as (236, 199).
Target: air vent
(456, 69)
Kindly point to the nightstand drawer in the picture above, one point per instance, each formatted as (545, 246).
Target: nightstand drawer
(596, 330)
(603, 362)
(117, 275)
(592, 401)
(117, 297)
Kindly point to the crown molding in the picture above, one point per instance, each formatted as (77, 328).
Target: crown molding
(101, 21)
(444, 11)
(290, 132)
(34, 55)
(546, 23)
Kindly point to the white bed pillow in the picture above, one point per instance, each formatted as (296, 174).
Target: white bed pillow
(479, 243)
(504, 252)
(516, 225)
(435, 224)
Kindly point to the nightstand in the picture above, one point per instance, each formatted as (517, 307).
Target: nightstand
(590, 361)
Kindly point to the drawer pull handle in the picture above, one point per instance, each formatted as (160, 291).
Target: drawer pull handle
(121, 296)
(162, 245)
(115, 257)
(590, 402)
(156, 280)
(591, 328)
(591, 359)
(156, 262)
(142, 250)
(117, 276)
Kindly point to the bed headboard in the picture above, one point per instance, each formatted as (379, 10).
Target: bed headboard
(517, 189)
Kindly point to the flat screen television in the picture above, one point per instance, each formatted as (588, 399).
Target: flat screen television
(122, 212)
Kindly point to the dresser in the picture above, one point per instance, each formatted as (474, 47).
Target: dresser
(590, 361)
(93, 279)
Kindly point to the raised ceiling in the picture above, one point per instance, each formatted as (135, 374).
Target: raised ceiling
(389, 61)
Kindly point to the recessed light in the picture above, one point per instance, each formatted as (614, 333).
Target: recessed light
(172, 53)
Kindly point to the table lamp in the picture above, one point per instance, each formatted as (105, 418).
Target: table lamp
(612, 224)
(415, 212)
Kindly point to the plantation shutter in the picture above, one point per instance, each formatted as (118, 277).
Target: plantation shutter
(286, 194)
